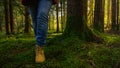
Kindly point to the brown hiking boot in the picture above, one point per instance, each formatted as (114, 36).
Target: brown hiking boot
(40, 57)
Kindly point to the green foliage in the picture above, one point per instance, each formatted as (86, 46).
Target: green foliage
(60, 52)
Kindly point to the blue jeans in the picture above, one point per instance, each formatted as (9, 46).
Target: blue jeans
(39, 13)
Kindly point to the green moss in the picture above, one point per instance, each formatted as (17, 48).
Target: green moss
(61, 52)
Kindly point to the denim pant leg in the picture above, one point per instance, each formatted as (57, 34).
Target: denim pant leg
(42, 21)
(39, 14)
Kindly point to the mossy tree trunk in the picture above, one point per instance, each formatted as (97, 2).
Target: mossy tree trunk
(77, 20)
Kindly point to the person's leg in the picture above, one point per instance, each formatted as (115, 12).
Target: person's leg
(41, 30)
(39, 50)
(33, 9)
(42, 21)
(39, 13)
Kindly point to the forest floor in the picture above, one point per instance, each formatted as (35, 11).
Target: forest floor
(19, 52)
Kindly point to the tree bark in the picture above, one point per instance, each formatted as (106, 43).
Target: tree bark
(27, 21)
(0, 27)
(118, 24)
(99, 15)
(11, 17)
(114, 15)
(108, 14)
(64, 12)
(57, 17)
(7, 17)
(1, 22)
(61, 5)
(77, 20)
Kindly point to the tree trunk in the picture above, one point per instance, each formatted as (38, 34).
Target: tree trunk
(99, 15)
(91, 13)
(118, 27)
(1, 22)
(64, 13)
(7, 17)
(0, 27)
(11, 17)
(114, 15)
(108, 14)
(27, 21)
(77, 20)
(61, 5)
(57, 13)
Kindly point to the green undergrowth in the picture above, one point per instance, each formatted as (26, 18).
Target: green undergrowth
(60, 52)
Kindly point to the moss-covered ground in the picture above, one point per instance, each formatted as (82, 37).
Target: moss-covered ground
(19, 51)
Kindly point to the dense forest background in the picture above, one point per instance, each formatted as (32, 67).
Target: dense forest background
(15, 17)
(81, 34)
(100, 15)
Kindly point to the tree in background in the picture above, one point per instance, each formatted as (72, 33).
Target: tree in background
(7, 17)
(8, 5)
(57, 18)
(12, 24)
(114, 15)
(15, 16)
(118, 10)
(90, 13)
(1, 18)
(98, 23)
(108, 25)
(27, 21)
(77, 20)
(65, 13)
